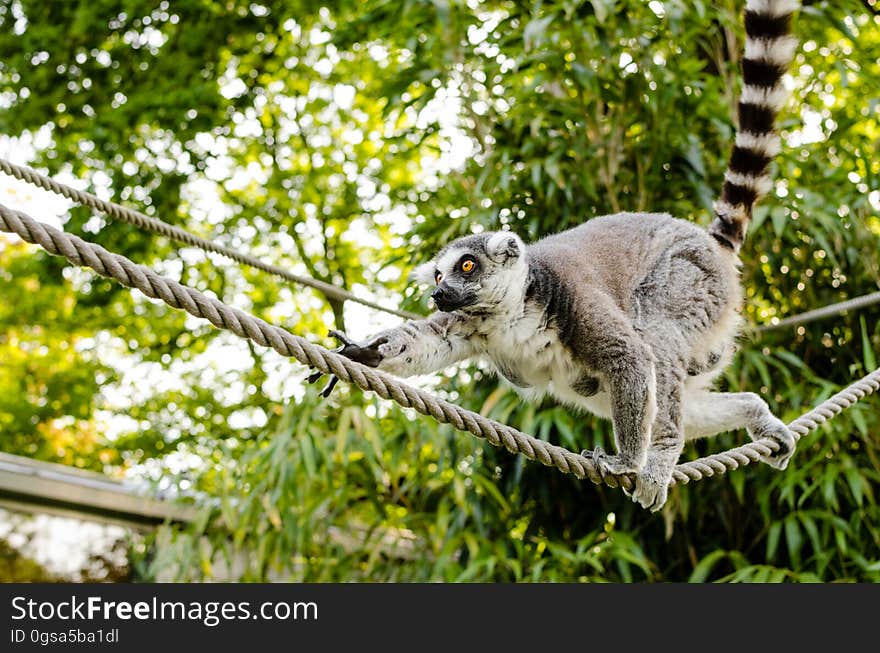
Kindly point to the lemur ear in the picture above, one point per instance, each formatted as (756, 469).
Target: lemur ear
(504, 245)
(423, 273)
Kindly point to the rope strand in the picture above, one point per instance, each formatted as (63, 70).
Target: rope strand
(825, 311)
(142, 221)
(177, 295)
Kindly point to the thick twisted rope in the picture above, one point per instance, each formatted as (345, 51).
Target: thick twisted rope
(749, 453)
(825, 311)
(222, 316)
(142, 221)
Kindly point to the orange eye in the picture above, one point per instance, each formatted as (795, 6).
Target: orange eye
(467, 265)
(438, 277)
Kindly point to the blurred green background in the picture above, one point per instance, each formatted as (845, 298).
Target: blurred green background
(350, 140)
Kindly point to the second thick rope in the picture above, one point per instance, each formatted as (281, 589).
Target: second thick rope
(825, 311)
(142, 221)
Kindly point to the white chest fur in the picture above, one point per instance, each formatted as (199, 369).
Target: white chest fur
(532, 359)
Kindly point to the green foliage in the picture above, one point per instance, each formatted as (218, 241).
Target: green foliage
(322, 139)
(17, 568)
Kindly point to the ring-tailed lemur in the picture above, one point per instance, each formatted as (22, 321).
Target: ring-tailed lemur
(629, 316)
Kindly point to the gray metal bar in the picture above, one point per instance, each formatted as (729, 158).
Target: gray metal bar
(47, 486)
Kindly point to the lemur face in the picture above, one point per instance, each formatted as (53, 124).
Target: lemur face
(475, 273)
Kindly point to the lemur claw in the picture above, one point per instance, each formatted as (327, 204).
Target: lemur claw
(330, 385)
(341, 337)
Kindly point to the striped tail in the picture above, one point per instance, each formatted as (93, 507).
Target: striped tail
(769, 50)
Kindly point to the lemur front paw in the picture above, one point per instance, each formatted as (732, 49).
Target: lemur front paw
(775, 429)
(380, 349)
(369, 354)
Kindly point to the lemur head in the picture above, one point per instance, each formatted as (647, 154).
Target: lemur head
(484, 273)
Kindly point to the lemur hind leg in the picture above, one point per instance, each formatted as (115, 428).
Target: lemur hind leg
(709, 413)
(632, 385)
(667, 438)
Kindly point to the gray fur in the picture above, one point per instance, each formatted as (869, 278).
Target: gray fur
(623, 316)
(629, 316)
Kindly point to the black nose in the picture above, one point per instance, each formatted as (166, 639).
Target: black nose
(439, 294)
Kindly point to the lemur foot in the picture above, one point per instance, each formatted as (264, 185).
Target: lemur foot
(366, 354)
(609, 465)
(650, 492)
(775, 429)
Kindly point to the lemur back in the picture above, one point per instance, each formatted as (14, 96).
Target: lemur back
(661, 273)
(628, 316)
